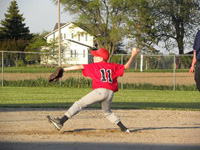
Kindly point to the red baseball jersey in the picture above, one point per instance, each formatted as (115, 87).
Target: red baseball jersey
(103, 74)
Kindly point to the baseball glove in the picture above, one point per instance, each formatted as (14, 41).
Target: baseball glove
(57, 75)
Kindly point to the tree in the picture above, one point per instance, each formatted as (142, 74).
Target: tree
(37, 42)
(13, 27)
(147, 22)
(179, 20)
(141, 22)
(171, 22)
(35, 45)
(14, 35)
(101, 18)
(12, 57)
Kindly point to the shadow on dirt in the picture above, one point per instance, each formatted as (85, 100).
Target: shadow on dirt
(131, 129)
(160, 128)
(92, 146)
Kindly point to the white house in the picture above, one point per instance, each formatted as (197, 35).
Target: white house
(72, 53)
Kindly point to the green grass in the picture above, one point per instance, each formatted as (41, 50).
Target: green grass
(28, 69)
(61, 97)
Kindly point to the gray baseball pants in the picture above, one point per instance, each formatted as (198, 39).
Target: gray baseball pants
(104, 96)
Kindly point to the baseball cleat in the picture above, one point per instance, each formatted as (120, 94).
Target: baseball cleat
(56, 122)
(126, 130)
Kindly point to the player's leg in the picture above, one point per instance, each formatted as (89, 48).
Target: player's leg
(106, 108)
(96, 95)
(197, 75)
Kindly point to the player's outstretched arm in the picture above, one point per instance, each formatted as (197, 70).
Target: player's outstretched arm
(134, 52)
(59, 72)
(77, 67)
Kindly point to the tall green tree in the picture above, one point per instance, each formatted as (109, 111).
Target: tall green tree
(180, 20)
(14, 36)
(172, 22)
(141, 22)
(101, 18)
(13, 27)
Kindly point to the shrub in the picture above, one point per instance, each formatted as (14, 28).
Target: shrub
(87, 83)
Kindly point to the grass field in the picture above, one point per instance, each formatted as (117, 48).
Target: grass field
(60, 97)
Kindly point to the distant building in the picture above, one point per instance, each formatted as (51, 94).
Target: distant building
(72, 53)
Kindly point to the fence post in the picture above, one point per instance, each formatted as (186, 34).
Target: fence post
(122, 86)
(141, 63)
(2, 64)
(174, 74)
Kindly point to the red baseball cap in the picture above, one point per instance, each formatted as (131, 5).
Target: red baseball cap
(101, 53)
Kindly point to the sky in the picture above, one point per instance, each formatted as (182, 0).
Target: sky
(40, 15)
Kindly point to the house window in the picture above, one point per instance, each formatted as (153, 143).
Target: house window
(83, 53)
(54, 36)
(74, 53)
(72, 36)
(86, 37)
(71, 53)
(64, 35)
(79, 37)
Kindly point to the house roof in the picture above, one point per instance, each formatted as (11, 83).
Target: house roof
(62, 25)
(56, 26)
(80, 25)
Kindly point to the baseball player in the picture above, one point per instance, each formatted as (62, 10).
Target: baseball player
(196, 60)
(104, 81)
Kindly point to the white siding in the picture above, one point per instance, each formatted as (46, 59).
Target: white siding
(73, 53)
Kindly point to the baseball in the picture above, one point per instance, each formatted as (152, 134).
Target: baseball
(134, 49)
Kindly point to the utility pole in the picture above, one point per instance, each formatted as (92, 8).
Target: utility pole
(59, 34)
(59, 38)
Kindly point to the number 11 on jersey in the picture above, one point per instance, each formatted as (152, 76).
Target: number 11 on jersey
(103, 75)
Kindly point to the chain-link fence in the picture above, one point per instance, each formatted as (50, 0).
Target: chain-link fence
(146, 70)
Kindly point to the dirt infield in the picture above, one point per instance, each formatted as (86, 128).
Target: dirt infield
(154, 129)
